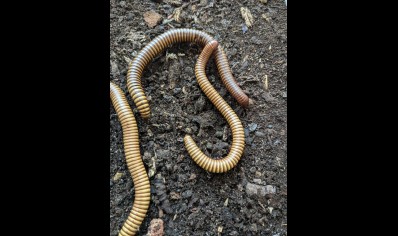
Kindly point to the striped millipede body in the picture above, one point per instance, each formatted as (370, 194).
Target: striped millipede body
(157, 45)
(134, 162)
(238, 137)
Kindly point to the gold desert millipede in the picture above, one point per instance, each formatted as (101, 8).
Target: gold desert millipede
(129, 125)
(134, 162)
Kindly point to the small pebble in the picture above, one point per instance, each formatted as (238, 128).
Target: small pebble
(176, 91)
(156, 228)
(247, 132)
(253, 227)
(259, 134)
(244, 28)
(187, 194)
(219, 134)
(130, 16)
(252, 127)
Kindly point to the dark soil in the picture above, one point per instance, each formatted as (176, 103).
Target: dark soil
(197, 199)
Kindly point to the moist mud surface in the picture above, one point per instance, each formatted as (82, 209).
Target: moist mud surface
(250, 199)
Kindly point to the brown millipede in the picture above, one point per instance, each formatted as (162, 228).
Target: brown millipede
(238, 137)
(134, 162)
(161, 42)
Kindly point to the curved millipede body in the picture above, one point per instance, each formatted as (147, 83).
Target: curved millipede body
(238, 137)
(134, 162)
(161, 42)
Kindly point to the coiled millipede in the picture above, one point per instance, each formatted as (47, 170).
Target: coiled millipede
(134, 162)
(161, 42)
(238, 137)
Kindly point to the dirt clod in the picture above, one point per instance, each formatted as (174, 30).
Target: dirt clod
(152, 18)
(155, 228)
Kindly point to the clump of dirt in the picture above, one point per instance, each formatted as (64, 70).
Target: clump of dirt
(251, 199)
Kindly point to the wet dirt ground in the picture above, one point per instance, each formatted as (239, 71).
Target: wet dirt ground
(250, 199)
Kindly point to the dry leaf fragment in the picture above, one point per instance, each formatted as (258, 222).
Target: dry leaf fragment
(247, 16)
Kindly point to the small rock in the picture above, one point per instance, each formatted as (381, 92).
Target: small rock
(192, 177)
(259, 134)
(253, 227)
(264, 1)
(163, 153)
(258, 190)
(169, 166)
(130, 16)
(252, 127)
(263, 220)
(146, 157)
(244, 28)
(161, 214)
(187, 194)
(233, 52)
(111, 183)
(209, 146)
(201, 202)
(258, 174)
(176, 91)
(252, 170)
(284, 94)
(257, 181)
(122, 3)
(175, 195)
(270, 126)
(155, 228)
(200, 104)
(269, 189)
(114, 69)
(219, 134)
(245, 64)
(220, 145)
(247, 132)
(152, 18)
(270, 209)
(240, 187)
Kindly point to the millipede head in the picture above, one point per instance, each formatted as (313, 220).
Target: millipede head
(213, 44)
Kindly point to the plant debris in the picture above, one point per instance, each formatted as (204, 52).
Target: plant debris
(247, 16)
